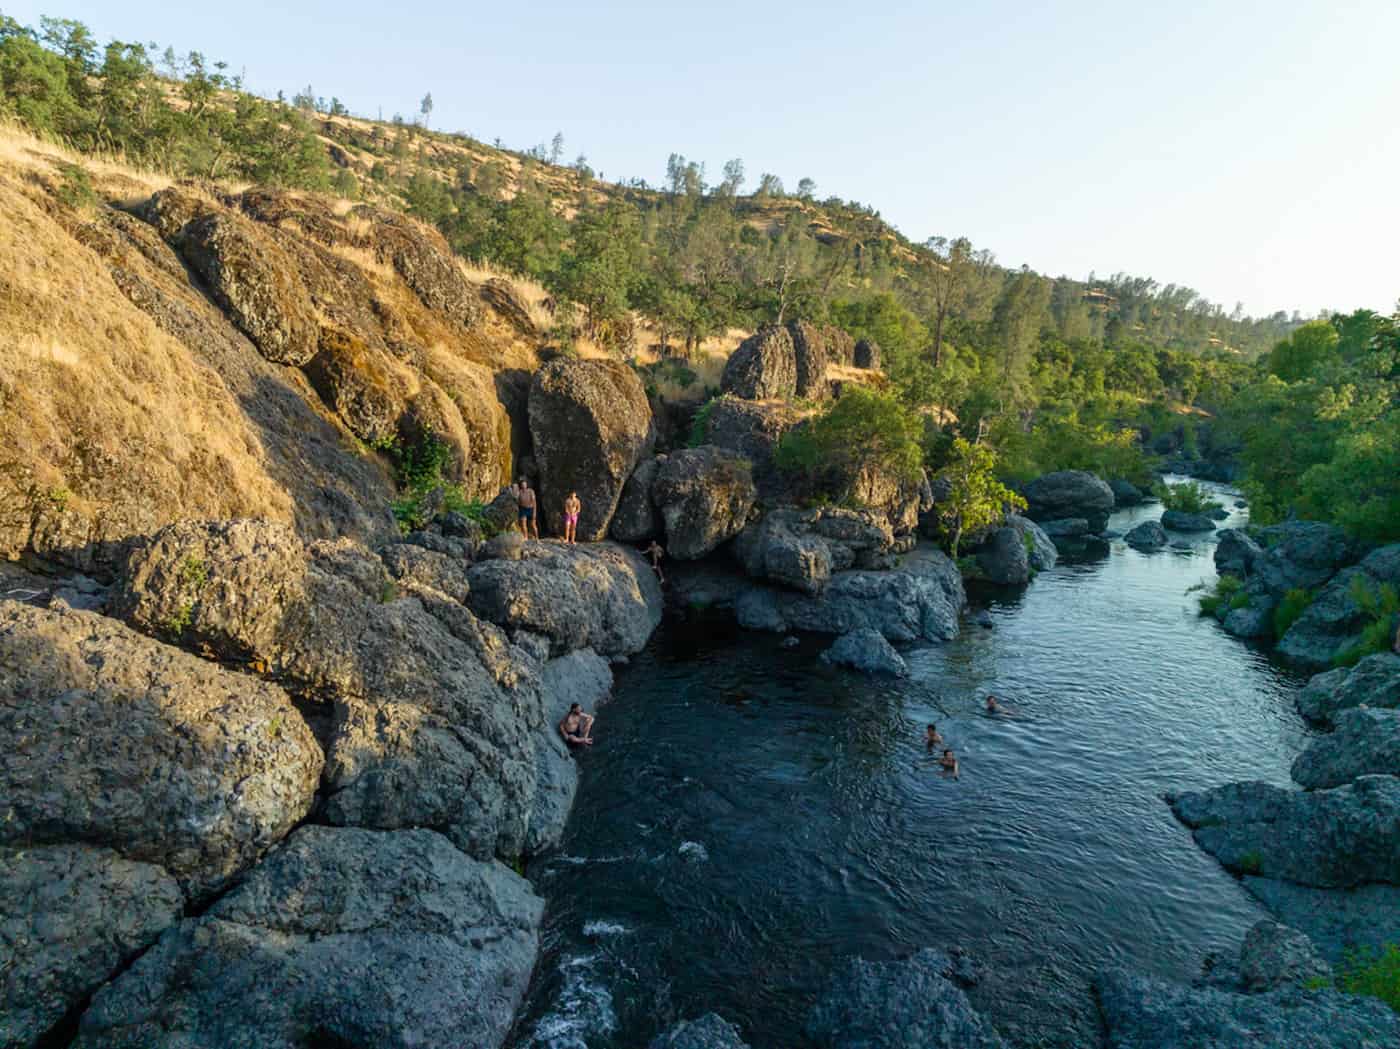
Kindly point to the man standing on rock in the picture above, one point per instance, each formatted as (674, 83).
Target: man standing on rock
(525, 498)
(572, 508)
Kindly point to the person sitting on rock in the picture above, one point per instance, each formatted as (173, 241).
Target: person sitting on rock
(949, 761)
(572, 507)
(577, 727)
(656, 552)
(525, 498)
(931, 736)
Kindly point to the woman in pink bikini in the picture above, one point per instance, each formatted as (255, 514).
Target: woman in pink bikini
(572, 506)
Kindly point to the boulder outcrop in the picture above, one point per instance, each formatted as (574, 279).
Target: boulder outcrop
(1327, 838)
(1181, 521)
(581, 677)
(1068, 494)
(866, 354)
(1296, 555)
(1125, 493)
(752, 430)
(1333, 622)
(636, 519)
(1149, 535)
(591, 424)
(344, 936)
(1365, 742)
(1040, 548)
(810, 358)
(1374, 682)
(764, 367)
(1235, 553)
(866, 650)
(1003, 557)
(704, 496)
(111, 739)
(802, 548)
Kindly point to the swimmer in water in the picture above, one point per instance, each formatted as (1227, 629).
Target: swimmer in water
(931, 737)
(949, 761)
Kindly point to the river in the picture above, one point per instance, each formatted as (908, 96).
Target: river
(751, 816)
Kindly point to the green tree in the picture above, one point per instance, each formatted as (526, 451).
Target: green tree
(976, 499)
(1305, 353)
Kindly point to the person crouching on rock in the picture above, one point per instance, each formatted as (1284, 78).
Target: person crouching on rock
(572, 507)
(656, 552)
(577, 727)
(949, 761)
(525, 498)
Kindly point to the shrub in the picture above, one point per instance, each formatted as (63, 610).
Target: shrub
(700, 424)
(1226, 590)
(1380, 606)
(864, 427)
(1373, 973)
(1293, 605)
(1188, 497)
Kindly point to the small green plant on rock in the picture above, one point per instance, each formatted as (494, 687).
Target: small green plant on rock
(1188, 497)
(193, 573)
(1380, 605)
(1251, 863)
(699, 426)
(1374, 973)
(1227, 588)
(1291, 609)
(178, 620)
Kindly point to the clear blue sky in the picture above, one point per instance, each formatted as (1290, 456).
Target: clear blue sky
(1248, 150)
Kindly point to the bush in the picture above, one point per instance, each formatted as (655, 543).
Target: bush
(1188, 497)
(1373, 973)
(1227, 589)
(700, 424)
(864, 427)
(1293, 605)
(1380, 606)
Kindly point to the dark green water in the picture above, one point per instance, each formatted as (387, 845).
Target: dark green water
(750, 816)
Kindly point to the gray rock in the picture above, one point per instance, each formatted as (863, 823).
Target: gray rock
(1328, 838)
(581, 677)
(1365, 742)
(636, 519)
(1070, 494)
(910, 1004)
(1300, 555)
(112, 739)
(866, 650)
(1218, 513)
(810, 357)
(764, 367)
(1181, 521)
(1374, 681)
(801, 548)
(433, 711)
(1040, 548)
(453, 547)
(1334, 621)
(1254, 620)
(591, 424)
(508, 546)
(411, 565)
(70, 916)
(1109, 534)
(1003, 558)
(708, 1032)
(752, 430)
(1125, 493)
(704, 496)
(596, 595)
(1149, 535)
(1066, 528)
(456, 525)
(867, 354)
(1235, 553)
(1337, 921)
(1275, 955)
(1141, 1012)
(342, 937)
(920, 601)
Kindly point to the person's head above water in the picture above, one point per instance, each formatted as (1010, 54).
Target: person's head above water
(991, 702)
(574, 708)
(948, 752)
(932, 727)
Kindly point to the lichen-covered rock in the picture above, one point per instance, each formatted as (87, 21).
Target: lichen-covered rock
(421, 256)
(1365, 742)
(636, 519)
(840, 345)
(1275, 955)
(1235, 553)
(764, 367)
(591, 425)
(1003, 557)
(342, 937)
(1337, 921)
(112, 739)
(909, 1004)
(810, 357)
(752, 430)
(253, 280)
(358, 384)
(866, 650)
(1334, 621)
(1374, 682)
(433, 711)
(1070, 494)
(866, 354)
(1142, 1012)
(1329, 838)
(597, 595)
(70, 917)
(1149, 535)
(413, 566)
(801, 548)
(708, 1032)
(1066, 529)
(581, 677)
(704, 496)
(1181, 521)
(1040, 548)
(502, 297)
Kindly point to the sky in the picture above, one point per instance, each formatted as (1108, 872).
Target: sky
(1250, 151)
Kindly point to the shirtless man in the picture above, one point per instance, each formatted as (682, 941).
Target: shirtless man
(996, 706)
(525, 497)
(577, 726)
(572, 507)
(949, 761)
(931, 737)
(656, 552)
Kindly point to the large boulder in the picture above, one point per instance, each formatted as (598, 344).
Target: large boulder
(704, 496)
(360, 383)
(591, 424)
(840, 345)
(413, 565)
(1003, 557)
(581, 677)
(752, 430)
(1125, 493)
(636, 519)
(920, 601)
(1040, 548)
(911, 1004)
(1329, 838)
(1275, 955)
(1149, 535)
(1365, 742)
(1067, 494)
(1181, 521)
(810, 358)
(1374, 682)
(111, 739)
(342, 937)
(866, 650)
(432, 711)
(866, 354)
(764, 367)
(1143, 1012)
(1296, 555)
(1235, 553)
(597, 595)
(70, 917)
(710, 1031)
(1338, 921)
(255, 282)
(423, 259)
(801, 548)
(1334, 621)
